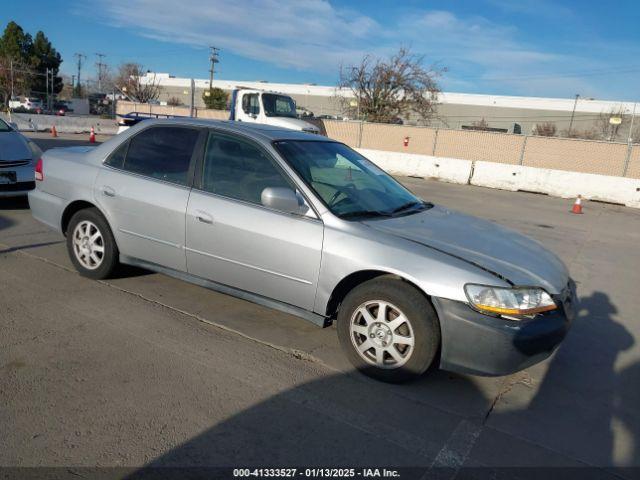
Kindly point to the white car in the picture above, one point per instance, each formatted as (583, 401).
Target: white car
(28, 103)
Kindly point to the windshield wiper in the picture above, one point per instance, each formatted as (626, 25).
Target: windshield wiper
(410, 205)
(364, 214)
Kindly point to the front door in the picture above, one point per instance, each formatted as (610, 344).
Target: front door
(234, 240)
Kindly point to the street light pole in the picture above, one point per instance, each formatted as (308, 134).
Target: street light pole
(573, 112)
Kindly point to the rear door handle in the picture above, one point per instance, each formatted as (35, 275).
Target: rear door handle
(108, 191)
(203, 217)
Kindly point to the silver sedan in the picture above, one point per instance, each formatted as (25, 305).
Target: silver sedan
(306, 225)
(18, 157)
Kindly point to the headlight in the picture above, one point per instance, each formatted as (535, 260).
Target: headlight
(509, 301)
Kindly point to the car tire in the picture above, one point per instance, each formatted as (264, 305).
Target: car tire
(391, 316)
(90, 244)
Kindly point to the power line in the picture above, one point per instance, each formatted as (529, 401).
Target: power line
(213, 58)
(80, 57)
(101, 66)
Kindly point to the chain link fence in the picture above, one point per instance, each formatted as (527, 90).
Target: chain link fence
(575, 155)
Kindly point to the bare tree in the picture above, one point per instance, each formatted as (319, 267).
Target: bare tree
(609, 130)
(481, 124)
(129, 80)
(587, 134)
(386, 90)
(174, 102)
(15, 77)
(546, 129)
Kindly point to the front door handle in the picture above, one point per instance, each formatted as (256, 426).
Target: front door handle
(108, 191)
(203, 217)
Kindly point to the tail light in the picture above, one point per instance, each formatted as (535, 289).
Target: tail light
(39, 170)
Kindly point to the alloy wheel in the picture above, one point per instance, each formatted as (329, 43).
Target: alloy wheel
(381, 334)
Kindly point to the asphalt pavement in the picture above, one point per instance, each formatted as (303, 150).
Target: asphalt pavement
(147, 370)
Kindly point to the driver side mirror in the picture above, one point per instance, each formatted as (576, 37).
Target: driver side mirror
(283, 199)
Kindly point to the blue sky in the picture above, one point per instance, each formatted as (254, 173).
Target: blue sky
(506, 47)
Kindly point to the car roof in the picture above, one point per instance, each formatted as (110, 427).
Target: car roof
(265, 132)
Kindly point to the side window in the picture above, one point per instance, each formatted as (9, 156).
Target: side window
(250, 104)
(162, 152)
(237, 169)
(116, 159)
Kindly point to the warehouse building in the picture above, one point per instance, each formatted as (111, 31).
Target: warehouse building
(610, 120)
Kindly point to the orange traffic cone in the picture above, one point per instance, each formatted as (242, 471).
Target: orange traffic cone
(54, 132)
(577, 206)
(92, 136)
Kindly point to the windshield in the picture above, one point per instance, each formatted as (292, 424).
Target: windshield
(4, 127)
(278, 105)
(350, 185)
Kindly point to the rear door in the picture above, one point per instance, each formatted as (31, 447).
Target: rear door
(234, 240)
(144, 188)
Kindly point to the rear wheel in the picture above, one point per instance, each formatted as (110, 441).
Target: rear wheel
(388, 330)
(91, 245)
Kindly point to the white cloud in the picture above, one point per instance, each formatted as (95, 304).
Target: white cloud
(303, 34)
(319, 36)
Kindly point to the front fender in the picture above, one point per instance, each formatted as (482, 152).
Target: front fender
(359, 248)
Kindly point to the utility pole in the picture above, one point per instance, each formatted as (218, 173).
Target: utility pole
(11, 68)
(100, 65)
(47, 86)
(80, 57)
(53, 85)
(213, 58)
(573, 112)
(192, 102)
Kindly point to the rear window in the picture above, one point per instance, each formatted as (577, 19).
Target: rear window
(163, 153)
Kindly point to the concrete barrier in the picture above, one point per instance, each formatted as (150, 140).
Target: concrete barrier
(67, 124)
(451, 170)
(558, 183)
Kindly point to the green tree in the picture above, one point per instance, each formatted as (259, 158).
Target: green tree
(15, 43)
(215, 98)
(15, 71)
(43, 56)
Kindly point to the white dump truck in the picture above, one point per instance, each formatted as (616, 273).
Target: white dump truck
(270, 108)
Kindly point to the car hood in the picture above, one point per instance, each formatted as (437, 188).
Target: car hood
(13, 147)
(504, 252)
(292, 123)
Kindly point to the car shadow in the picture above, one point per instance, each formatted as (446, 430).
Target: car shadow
(5, 222)
(348, 421)
(14, 203)
(129, 271)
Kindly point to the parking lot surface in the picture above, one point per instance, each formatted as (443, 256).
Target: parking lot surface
(147, 370)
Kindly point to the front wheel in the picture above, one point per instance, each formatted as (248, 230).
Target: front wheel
(388, 330)
(91, 245)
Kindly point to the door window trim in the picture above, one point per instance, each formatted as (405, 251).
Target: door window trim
(198, 152)
(199, 171)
